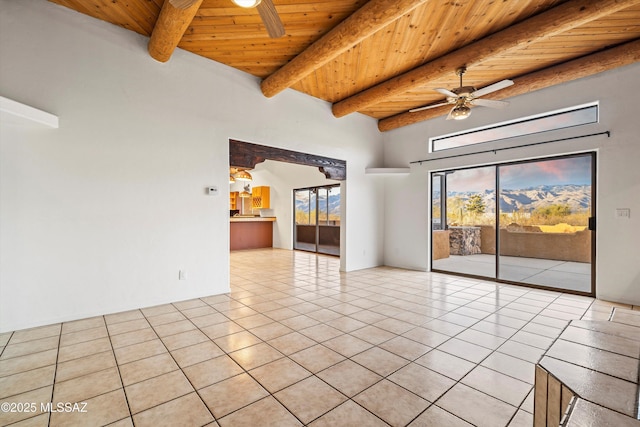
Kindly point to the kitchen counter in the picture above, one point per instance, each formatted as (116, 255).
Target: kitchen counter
(250, 232)
(252, 219)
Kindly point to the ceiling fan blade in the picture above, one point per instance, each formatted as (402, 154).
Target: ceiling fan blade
(491, 103)
(426, 107)
(271, 20)
(492, 88)
(446, 92)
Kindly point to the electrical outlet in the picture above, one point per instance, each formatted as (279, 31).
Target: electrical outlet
(182, 274)
(623, 213)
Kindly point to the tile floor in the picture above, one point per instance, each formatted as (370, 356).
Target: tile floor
(297, 343)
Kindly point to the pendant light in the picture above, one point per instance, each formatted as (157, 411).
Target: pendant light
(243, 175)
(247, 3)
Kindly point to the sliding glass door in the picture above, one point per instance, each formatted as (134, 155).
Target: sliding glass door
(538, 231)
(317, 219)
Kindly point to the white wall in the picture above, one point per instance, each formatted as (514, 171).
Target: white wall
(99, 215)
(618, 174)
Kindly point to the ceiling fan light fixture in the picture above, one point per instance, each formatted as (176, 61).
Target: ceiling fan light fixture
(243, 176)
(460, 112)
(247, 3)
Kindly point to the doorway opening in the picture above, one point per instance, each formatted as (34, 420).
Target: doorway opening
(529, 223)
(317, 219)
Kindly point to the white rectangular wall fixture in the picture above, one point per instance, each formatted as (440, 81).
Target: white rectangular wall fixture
(21, 110)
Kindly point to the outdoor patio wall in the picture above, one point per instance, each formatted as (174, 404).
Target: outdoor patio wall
(557, 246)
(99, 215)
(617, 183)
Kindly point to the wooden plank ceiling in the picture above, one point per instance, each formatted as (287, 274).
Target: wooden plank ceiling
(384, 57)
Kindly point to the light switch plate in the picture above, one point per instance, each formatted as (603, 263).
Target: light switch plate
(623, 213)
(212, 191)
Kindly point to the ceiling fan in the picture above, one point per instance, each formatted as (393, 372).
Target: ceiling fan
(463, 97)
(268, 13)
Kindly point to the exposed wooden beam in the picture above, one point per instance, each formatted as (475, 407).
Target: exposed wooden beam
(585, 66)
(542, 26)
(371, 17)
(247, 155)
(174, 19)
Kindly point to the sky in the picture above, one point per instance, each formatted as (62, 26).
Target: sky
(574, 170)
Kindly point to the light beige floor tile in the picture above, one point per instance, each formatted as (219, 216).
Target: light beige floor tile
(158, 310)
(124, 316)
(498, 385)
(317, 358)
(281, 314)
(516, 368)
(144, 369)
(187, 410)
(85, 365)
(41, 395)
(373, 334)
(380, 361)
(253, 321)
(426, 336)
(394, 325)
(436, 416)
(476, 407)
(139, 351)
(348, 414)
(232, 394)
(197, 353)
(347, 345)
(157, 390)
(281, 373)
(237, 341)
(174, 328)
(82, 324)
(266, 412)
(212, 371)
(41, 420)
(527, 405)
(125, 422)
(221, 329)
(127, 326)
(346, 324)
(16, 365)
(405, 347)
(349, 377)
(321, 332)
(4, 338)
(310, 398)
(299, 322)
(255, 355)
(239, 311)
(392, 403)
(291, 343)
(36, 333)
(208, 319)
(29, 347)
(88, 386)
(26, 381)
(521, 351)
(521, 419)
(445, 364)
(83, 349)
(443, 327)
(133, 337)
(184, 339)
(83, 336)
(270, 331)
(100, 410)
(189, 304)
(465, 350)
(424, 382)
(481, 338)
(163, 319)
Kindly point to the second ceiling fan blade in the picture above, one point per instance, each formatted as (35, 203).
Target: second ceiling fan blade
(446, 92)
(492, 88)
(491, 103)
(271, 20)
(414, 110)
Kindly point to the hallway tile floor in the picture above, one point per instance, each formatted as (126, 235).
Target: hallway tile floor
(294, 343)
